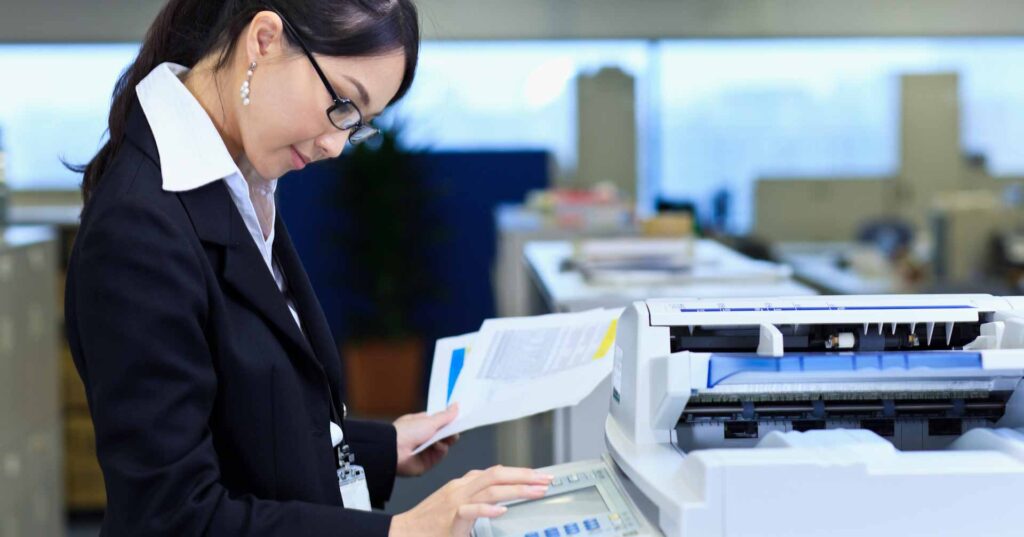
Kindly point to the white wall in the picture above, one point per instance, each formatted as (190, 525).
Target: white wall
(76, 20)
(127, 20)
(473, 19)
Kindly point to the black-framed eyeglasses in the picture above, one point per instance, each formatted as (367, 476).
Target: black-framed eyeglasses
(343, 113)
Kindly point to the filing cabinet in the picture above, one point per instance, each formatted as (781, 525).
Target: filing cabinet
(31, 440)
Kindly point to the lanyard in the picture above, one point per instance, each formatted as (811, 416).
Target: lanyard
(345, 457)
(343, 454)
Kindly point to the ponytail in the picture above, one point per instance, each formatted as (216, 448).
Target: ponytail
(186, 31)
(179, 34)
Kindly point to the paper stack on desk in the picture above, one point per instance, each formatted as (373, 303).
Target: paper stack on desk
(520, 366)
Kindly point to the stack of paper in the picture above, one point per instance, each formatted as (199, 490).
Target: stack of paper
(635, 261)
(520, 366)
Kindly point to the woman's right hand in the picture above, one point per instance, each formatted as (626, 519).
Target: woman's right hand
(452, 510)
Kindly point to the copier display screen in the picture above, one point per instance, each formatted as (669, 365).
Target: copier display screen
(550, 511)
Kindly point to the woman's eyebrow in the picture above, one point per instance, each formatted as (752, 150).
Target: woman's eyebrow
(364, 97)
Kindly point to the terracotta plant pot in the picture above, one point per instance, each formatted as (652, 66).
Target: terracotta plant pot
(384, 377)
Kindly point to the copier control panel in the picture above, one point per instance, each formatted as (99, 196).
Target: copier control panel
(585, 499)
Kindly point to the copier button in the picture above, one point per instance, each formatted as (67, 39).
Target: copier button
(591, 524)
(551, 532)
(532, 534)
(572, 529)
(573, 478)
(556, 481)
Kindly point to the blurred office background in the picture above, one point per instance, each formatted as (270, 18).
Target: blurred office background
(872, 147)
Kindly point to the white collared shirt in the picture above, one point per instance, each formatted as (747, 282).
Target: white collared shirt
(192, 155)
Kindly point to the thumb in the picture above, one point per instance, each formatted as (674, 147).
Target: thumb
(446, 416)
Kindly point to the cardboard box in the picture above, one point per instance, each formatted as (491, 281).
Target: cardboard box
(82, 476)
(72, 389)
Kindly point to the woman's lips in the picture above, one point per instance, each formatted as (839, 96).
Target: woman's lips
(298, 160)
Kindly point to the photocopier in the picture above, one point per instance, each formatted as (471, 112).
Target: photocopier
(804, 416)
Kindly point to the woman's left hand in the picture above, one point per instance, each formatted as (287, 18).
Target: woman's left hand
(414, 429)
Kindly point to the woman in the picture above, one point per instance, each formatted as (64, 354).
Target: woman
(212, 378)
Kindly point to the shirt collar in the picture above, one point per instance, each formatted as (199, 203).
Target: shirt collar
(192, 153)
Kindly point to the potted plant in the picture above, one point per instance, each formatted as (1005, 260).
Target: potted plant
(388, 235)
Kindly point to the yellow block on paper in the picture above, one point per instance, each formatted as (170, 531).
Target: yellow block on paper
(606, 343)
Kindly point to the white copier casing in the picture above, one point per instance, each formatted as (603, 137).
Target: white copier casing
(809, 416)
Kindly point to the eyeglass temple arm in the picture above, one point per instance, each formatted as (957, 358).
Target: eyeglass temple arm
(319, 72)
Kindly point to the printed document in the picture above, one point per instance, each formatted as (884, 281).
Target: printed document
(520, 366)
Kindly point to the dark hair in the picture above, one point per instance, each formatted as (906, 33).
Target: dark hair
(185, 31)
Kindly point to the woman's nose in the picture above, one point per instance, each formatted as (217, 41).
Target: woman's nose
(332, 144)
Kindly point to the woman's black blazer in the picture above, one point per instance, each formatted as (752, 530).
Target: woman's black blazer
(211, 407)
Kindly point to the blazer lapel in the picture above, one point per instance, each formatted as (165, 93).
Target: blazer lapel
(310, 311)
(216, 220)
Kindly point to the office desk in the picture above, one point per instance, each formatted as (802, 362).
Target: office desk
(832, 268)
(566, 290)
(518, 226)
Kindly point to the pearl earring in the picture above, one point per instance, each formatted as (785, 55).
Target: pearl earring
(245, 85)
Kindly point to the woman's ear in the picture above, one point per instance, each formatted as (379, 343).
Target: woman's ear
(265, 36)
